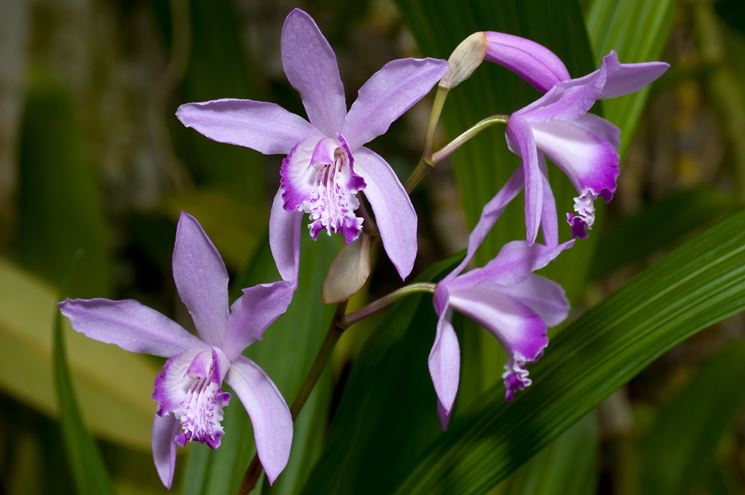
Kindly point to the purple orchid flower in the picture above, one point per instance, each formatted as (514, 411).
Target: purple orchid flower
(510, 302)
(327, 164)
(188, 388)
(582, 145)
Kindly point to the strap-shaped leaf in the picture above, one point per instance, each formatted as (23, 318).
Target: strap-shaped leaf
(672, 463)
(659, 225)
(690, 289)
(88, 469)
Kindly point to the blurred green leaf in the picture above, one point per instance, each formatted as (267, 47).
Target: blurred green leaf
(388, 409)
(637, 30)
(285, 353)
(60, 206)
(113, 386)
(675, 463)
(217, 67)
(83, 456)
(568, 466)
(723, 480)
(657, 226)
(690, 289)
(235, 226)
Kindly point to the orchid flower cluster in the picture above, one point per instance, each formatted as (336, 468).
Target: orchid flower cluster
(325, 168)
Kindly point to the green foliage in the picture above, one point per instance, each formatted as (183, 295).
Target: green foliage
(568, 466)
(113, 386)
(388, 409)
(59, 202)
(83, 456)
(679, 453)
(690, 289)
(657, 226)
(215, 66)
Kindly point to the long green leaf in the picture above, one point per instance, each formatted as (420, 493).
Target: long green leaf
(657, 226)
(637, 31)
(690, 289)
(59, 201)
(113, 386)
(568, 466)
(85, 460)
(675, 463)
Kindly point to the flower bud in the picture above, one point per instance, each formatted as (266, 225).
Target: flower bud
(348, 272)
(464, 60)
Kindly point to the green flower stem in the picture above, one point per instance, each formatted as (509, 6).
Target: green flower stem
(429, 160)
(466, 136)
(336, 328)
(425, 163)
(385, 301)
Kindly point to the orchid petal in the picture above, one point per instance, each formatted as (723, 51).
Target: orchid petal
(284, 239)
(297, 174)
(264, 127)
(514, 263)
(521, 138)
(387, 95)
(270, 416)
(444, 364)
(520, 329)
(581, 149)
(549, 220)
(567, 100)
(394, 213)
(253, 312)
(129, 325)
(164, 447)
(489, 216)
(310, 65)
(536, 64)
(623, 79)
(169, 390)
(542, 295)
(201, 279)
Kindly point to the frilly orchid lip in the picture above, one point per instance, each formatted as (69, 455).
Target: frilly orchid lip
(188, 389)
(317, 177)
(507, 299)
(326, 193)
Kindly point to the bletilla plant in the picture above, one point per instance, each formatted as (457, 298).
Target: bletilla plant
(325, 167)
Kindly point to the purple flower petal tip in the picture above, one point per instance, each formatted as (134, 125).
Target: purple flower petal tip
(515, 379)
(578, 225)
